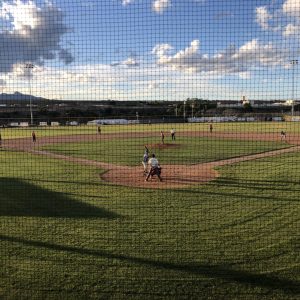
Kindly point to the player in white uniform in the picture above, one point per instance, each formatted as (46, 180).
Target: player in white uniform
(173, 134)
(145, 160)
(155, 168)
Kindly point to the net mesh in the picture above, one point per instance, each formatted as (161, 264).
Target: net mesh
(149, 149)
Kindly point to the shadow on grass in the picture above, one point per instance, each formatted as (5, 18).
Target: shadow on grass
(82, 183)
(293, 186)
(216, 190)
(20, 198)
(214, 271)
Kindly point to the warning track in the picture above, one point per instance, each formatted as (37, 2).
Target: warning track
(174, 176)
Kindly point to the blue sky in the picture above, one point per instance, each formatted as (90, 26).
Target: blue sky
(151, 49)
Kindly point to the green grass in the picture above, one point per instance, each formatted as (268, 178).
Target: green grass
(255, 127)
(64, 234)
(188, 150)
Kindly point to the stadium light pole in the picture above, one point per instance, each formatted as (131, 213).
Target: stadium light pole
(193, 105)
(30, 66)
(184, 102)
(293, 62)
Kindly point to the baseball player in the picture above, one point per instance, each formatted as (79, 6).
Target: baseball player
(162, 135)
(282, 135)
(155, 168)
(33, 137)
(145, 160)
(173, 134)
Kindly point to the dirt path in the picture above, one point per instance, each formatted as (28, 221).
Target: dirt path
(174, 176)
(25, 144)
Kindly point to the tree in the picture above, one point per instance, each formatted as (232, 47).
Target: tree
(247, 107)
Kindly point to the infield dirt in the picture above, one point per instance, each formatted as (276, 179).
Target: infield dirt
(174, 176)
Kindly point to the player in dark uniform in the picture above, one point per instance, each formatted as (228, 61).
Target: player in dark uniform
(282, 135)
(162, 135)
(33, 137)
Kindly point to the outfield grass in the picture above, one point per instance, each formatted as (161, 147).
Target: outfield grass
(65, 234)
(236, 127)
(187, 151)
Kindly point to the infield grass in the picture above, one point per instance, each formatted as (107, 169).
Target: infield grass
(182, 151)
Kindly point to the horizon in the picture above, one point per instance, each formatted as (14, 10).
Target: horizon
(128, 100)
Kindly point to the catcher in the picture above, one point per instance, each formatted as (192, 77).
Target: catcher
(155, 168)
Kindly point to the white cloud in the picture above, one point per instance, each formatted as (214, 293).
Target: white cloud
(100, 81)
(245, 75)
(23, 15)
(289, 12)
(152, 86)
(160, 6)
(292, 7)
(148, 82)
(238, 61)
(126, 2)
(34, 34)
(263, 17)
(129, 62)
(183, 60)
(291, 30)
(161, 49)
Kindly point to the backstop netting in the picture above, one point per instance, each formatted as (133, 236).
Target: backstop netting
(149, 149)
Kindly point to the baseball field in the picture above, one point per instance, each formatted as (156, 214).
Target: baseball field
(78, 220)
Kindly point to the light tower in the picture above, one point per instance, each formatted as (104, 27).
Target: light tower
(294, 63)
(29, 67)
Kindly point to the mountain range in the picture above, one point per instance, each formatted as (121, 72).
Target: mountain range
(19, 97)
